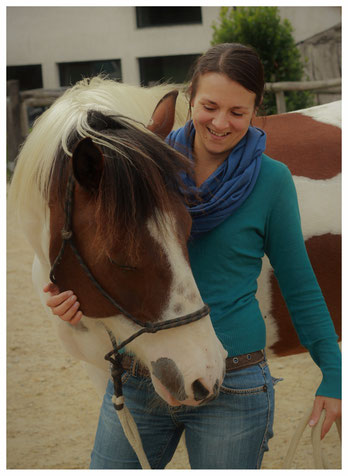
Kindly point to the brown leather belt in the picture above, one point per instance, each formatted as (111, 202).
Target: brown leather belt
(135, 368)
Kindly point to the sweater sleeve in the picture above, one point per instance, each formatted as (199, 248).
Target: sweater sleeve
(285, 247)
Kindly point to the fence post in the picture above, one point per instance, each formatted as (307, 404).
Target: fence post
(13, 113)
(280, 99)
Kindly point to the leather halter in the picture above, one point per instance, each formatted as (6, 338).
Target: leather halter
(147, 327)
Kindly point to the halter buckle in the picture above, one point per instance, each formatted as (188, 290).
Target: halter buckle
(66, 234)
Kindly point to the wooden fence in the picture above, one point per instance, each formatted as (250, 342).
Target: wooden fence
(279, 89)
(18, 103)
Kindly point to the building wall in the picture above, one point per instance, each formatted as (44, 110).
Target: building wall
(308, 21)
(50, 35)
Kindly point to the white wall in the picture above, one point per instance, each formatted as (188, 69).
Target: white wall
(50, 35)
(308, 21)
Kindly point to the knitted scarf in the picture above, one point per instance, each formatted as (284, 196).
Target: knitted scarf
(231, 183)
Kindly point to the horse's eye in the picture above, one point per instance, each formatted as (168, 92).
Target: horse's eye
(122, 266)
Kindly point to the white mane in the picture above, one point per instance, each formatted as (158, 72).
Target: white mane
(51, 131)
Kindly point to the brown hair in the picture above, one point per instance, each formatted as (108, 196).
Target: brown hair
(240, 63)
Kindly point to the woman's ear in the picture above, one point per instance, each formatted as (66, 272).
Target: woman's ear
(189, 94)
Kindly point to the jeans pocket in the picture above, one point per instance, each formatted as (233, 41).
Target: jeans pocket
(250, 380)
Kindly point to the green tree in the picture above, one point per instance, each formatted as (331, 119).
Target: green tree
(264, 30)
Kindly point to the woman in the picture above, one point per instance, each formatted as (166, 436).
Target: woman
(248, 208)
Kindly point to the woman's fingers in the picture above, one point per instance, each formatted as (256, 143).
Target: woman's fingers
(76, 319)
(51, 288)
(63, 305)
(64, 299)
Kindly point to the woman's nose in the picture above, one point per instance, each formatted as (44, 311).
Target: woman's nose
(220, 122)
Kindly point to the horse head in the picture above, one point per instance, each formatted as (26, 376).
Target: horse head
(131, 226)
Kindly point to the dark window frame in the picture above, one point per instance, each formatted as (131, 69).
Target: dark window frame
(182, 63)
(90, 71)
(32, 71)
(146, 16)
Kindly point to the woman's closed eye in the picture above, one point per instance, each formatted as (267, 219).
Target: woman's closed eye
(209, 108)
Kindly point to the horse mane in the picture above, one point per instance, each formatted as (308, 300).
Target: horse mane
(141, 171)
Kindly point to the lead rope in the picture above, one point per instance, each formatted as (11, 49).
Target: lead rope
(319, 459)
(127, 421)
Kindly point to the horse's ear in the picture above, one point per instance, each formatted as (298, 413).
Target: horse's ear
(88, 164)
(163, 117)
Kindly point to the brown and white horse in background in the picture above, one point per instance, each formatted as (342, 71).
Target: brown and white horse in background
(309, 143)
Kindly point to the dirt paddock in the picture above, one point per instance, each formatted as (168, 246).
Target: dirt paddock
(52, 408)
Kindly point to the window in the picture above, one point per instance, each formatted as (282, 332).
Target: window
(29, 76)
(165, 16)
(174, 69)
(71, 73)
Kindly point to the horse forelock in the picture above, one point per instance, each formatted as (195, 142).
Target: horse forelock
(141, 180)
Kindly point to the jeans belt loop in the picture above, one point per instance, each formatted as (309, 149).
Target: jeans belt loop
(134, 367)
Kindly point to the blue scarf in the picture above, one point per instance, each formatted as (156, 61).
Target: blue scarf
(231, 183)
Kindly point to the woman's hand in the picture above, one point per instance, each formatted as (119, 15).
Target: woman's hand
(63, 305)
(333, 412)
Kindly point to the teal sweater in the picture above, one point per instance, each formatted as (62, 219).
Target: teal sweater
(226, 263)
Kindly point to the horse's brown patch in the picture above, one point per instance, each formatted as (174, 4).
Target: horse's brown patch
(308, 147)
(325, 254)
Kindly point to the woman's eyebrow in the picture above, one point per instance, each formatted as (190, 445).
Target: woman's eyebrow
(208, 100)
(215, 104)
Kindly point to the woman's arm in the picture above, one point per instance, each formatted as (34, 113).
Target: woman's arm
(63, 305)
(287, 252)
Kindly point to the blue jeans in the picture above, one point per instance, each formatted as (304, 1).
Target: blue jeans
(230, 432)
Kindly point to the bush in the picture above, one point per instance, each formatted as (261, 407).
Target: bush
(263, 29)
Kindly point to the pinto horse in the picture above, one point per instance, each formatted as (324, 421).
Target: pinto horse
(309, 143)
(130, 226)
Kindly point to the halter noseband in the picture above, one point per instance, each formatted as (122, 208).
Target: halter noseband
(147, 327)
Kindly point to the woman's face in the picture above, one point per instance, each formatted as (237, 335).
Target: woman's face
(221, 112)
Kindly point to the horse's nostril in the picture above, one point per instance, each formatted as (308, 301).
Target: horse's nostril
(199, 390)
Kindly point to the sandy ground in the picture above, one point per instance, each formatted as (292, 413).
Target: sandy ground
(52, 408)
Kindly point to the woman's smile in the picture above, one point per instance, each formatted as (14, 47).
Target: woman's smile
(218, 134)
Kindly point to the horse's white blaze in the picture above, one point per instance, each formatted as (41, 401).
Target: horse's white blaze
(184, 290)
(195, 342)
